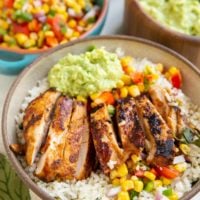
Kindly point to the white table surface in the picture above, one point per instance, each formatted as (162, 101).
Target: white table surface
(112, 26)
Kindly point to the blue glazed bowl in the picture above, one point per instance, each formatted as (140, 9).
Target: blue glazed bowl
(12, 61)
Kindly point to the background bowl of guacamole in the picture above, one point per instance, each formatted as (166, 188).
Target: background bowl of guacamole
(174, 23)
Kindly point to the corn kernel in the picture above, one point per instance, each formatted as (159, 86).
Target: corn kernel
(185, 148)
(174, 196)
(141, 87)
(157, 183)
(95, 96)
(3, 24)
(72, 23)
(82, 3)
(93, 104)
(123, 196)
(120, 84)
(122, 170)
(82, 23)
(125, 61)
(123, 92)
(49, 33)
(80, 98)
(113, 174)
(76, 34)
(21, 38)
(126, 79)
(166, 181)
(64, 41)
(134, 178)
(116, 182)
(181, 167)
(159, 67)
(29, 43)
(45, 8)
(133, 90)
(138, 185)
(173, 70)
(122, 179)
(127, 185)
(149, 175)
(135, 158)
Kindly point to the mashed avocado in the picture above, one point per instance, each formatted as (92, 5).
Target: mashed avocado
(180, 15)
(87, 73)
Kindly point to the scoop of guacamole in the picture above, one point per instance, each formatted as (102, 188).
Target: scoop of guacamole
(180, 15)
(87, 73)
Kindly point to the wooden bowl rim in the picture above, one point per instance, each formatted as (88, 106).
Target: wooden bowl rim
(170, 31)
(100, 19)
(17, 166)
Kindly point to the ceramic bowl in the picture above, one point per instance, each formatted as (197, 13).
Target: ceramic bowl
(139, 23)
(12, 61)
(38, 70)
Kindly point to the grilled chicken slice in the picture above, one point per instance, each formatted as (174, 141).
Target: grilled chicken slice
(171, 114)
(130, 130)
(108, 152)
(159, 137)
(36, 122)
(63, 156)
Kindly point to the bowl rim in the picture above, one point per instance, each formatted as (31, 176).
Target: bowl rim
(12, 158)
(170, 31)
(100, 19)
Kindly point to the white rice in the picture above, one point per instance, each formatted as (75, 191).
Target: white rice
(97, 185)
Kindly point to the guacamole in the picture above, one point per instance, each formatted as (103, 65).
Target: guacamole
(86, 74)
(180, 15)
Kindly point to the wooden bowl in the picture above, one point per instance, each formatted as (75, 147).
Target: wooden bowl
(139, 23)
(38, 70)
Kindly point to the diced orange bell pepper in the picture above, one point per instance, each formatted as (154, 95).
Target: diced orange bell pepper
(51, 41)
(8, 3)
(107, 97)
(137, 77)
(34, 26)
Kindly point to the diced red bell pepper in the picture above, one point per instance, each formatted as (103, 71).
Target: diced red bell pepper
(20, 28)
(8, 3)
(167, 172)
(176, 80)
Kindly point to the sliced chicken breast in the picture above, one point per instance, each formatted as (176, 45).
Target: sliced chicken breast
(64, 158)
(108, 152)
(36, 122)
(130, 130)
(157, 132)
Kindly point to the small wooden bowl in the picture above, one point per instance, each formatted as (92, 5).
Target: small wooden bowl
(139, 23)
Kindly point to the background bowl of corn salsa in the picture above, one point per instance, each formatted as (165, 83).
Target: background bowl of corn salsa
(29, 28)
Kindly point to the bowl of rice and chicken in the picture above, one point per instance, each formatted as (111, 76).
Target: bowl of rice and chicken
(108, 118)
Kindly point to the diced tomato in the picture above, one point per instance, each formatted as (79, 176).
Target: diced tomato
(8, 3)
(139, 173)
(167, 172)
(176, 80)
(107, 97)
(137, 77)
(55, 23)
(20, 28)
